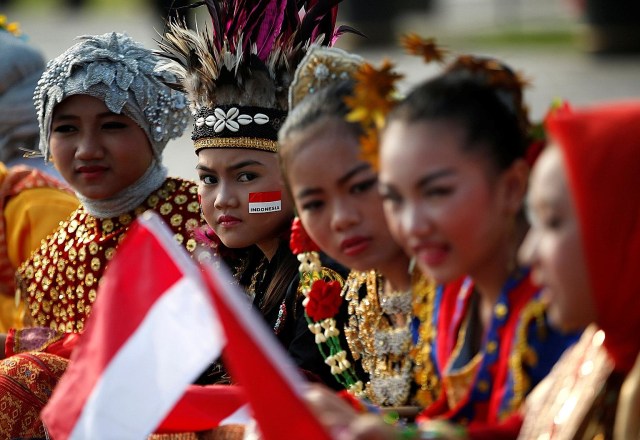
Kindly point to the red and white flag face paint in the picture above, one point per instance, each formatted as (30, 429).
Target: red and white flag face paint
(152, 331)
(265, 202)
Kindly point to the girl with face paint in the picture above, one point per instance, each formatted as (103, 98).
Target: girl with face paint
(238, 99)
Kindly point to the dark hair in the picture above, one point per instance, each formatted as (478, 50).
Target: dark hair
(328, 102)
(493, 116)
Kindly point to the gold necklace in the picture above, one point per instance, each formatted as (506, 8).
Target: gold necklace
(381, 347)
(424, 372)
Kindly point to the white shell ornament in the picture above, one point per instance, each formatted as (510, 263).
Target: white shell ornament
(260, 118)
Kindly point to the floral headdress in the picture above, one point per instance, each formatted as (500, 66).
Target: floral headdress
(121, 72)
(237, 78)
(320, 67)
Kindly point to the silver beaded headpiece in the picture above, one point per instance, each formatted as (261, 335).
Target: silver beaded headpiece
(122, 73)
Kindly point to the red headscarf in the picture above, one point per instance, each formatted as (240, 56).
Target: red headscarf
(601, 148)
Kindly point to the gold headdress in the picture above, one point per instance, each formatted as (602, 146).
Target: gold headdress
(319, 67)
(237, 78)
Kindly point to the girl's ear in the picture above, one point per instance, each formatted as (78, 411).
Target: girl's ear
(514, 182)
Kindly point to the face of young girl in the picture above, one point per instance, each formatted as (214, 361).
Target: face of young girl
(229, 178)
(99, 153)
(443, 205)
(336, 197)
(553, 246)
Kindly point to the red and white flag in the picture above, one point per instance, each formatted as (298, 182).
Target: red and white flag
(264, 202)
(151, 332)
(153, 329)
(272, 383)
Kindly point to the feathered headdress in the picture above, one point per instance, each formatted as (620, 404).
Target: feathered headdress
(237, 77)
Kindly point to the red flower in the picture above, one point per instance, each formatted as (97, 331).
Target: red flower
(300, 241)
(324, 300)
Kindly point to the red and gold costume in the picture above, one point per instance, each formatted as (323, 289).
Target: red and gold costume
(60, 282)
(485, 378)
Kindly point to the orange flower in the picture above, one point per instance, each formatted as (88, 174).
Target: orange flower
(414, 44)
(372, 95)
(369, 145)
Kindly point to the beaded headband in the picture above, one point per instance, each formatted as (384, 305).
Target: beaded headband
(237, 77)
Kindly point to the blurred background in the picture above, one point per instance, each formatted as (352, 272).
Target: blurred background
(584, 51)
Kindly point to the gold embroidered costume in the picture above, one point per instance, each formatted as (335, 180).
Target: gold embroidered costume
(60, 280)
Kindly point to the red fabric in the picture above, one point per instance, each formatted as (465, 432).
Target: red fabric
(505, 430)
(601, 148)
(61, 345)
(91, 359)
(202, 408)
(257, 362)
(26, 381)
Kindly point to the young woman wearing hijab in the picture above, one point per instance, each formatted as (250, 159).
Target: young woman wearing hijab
(584, 249)
(105, 116)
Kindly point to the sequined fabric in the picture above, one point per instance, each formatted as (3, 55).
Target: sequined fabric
(60, 280)
(577, 400)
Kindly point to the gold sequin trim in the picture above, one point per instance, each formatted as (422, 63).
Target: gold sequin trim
(239, 142)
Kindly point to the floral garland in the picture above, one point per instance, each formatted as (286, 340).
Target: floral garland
(322, 290)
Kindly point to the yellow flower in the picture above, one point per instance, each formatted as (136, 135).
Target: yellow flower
(414, 44)
(14, 28)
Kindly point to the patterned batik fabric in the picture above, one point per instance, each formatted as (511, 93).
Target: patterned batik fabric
(26, 383)
(60, 280)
